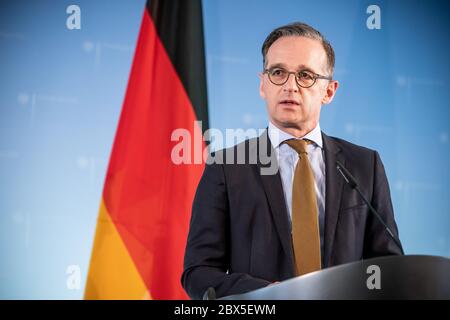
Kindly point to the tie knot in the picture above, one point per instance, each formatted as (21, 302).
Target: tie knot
(298, 145)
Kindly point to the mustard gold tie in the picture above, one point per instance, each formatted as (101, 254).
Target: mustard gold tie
(305, 219)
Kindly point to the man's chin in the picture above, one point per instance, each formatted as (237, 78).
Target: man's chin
(289, 119)
(285, 123)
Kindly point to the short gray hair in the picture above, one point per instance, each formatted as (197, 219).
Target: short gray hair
(299, 29)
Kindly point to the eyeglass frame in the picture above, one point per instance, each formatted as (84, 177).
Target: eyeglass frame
(316, 76)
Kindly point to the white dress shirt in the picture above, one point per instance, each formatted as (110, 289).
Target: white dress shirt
(287, 160)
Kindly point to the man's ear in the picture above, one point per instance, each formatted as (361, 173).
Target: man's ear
(261, 84)
(330, 91)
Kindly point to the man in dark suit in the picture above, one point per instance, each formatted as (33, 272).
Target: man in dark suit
(275, 207)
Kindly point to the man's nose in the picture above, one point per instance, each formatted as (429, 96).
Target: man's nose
(291, 83)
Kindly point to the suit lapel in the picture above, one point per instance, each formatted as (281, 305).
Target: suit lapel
(274, 193)
(334, 185)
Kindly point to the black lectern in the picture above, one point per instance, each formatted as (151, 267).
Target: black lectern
(392, 277)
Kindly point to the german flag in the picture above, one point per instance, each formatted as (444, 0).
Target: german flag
(146, 204)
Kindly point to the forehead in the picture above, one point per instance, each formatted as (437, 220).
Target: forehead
(295, 51)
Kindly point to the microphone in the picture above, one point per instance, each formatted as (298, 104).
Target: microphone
(350, 180)
(210, 294)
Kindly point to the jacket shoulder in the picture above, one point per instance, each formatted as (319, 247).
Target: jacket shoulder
(349, 147)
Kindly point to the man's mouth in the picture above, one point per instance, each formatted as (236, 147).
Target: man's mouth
(290, 102)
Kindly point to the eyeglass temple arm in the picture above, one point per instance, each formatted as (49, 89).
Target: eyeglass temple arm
(323, 77)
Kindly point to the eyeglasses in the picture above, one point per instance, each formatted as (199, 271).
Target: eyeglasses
(304, 78)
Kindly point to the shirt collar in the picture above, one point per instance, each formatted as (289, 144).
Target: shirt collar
(278, 136)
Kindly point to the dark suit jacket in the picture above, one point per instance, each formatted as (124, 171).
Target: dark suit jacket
(240, 238)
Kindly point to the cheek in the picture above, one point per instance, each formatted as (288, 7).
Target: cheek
(270, 95)
(312, 101)
(314, 96)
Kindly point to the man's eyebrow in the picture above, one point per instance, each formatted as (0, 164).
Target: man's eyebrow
(277, 65)
(299, 68)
